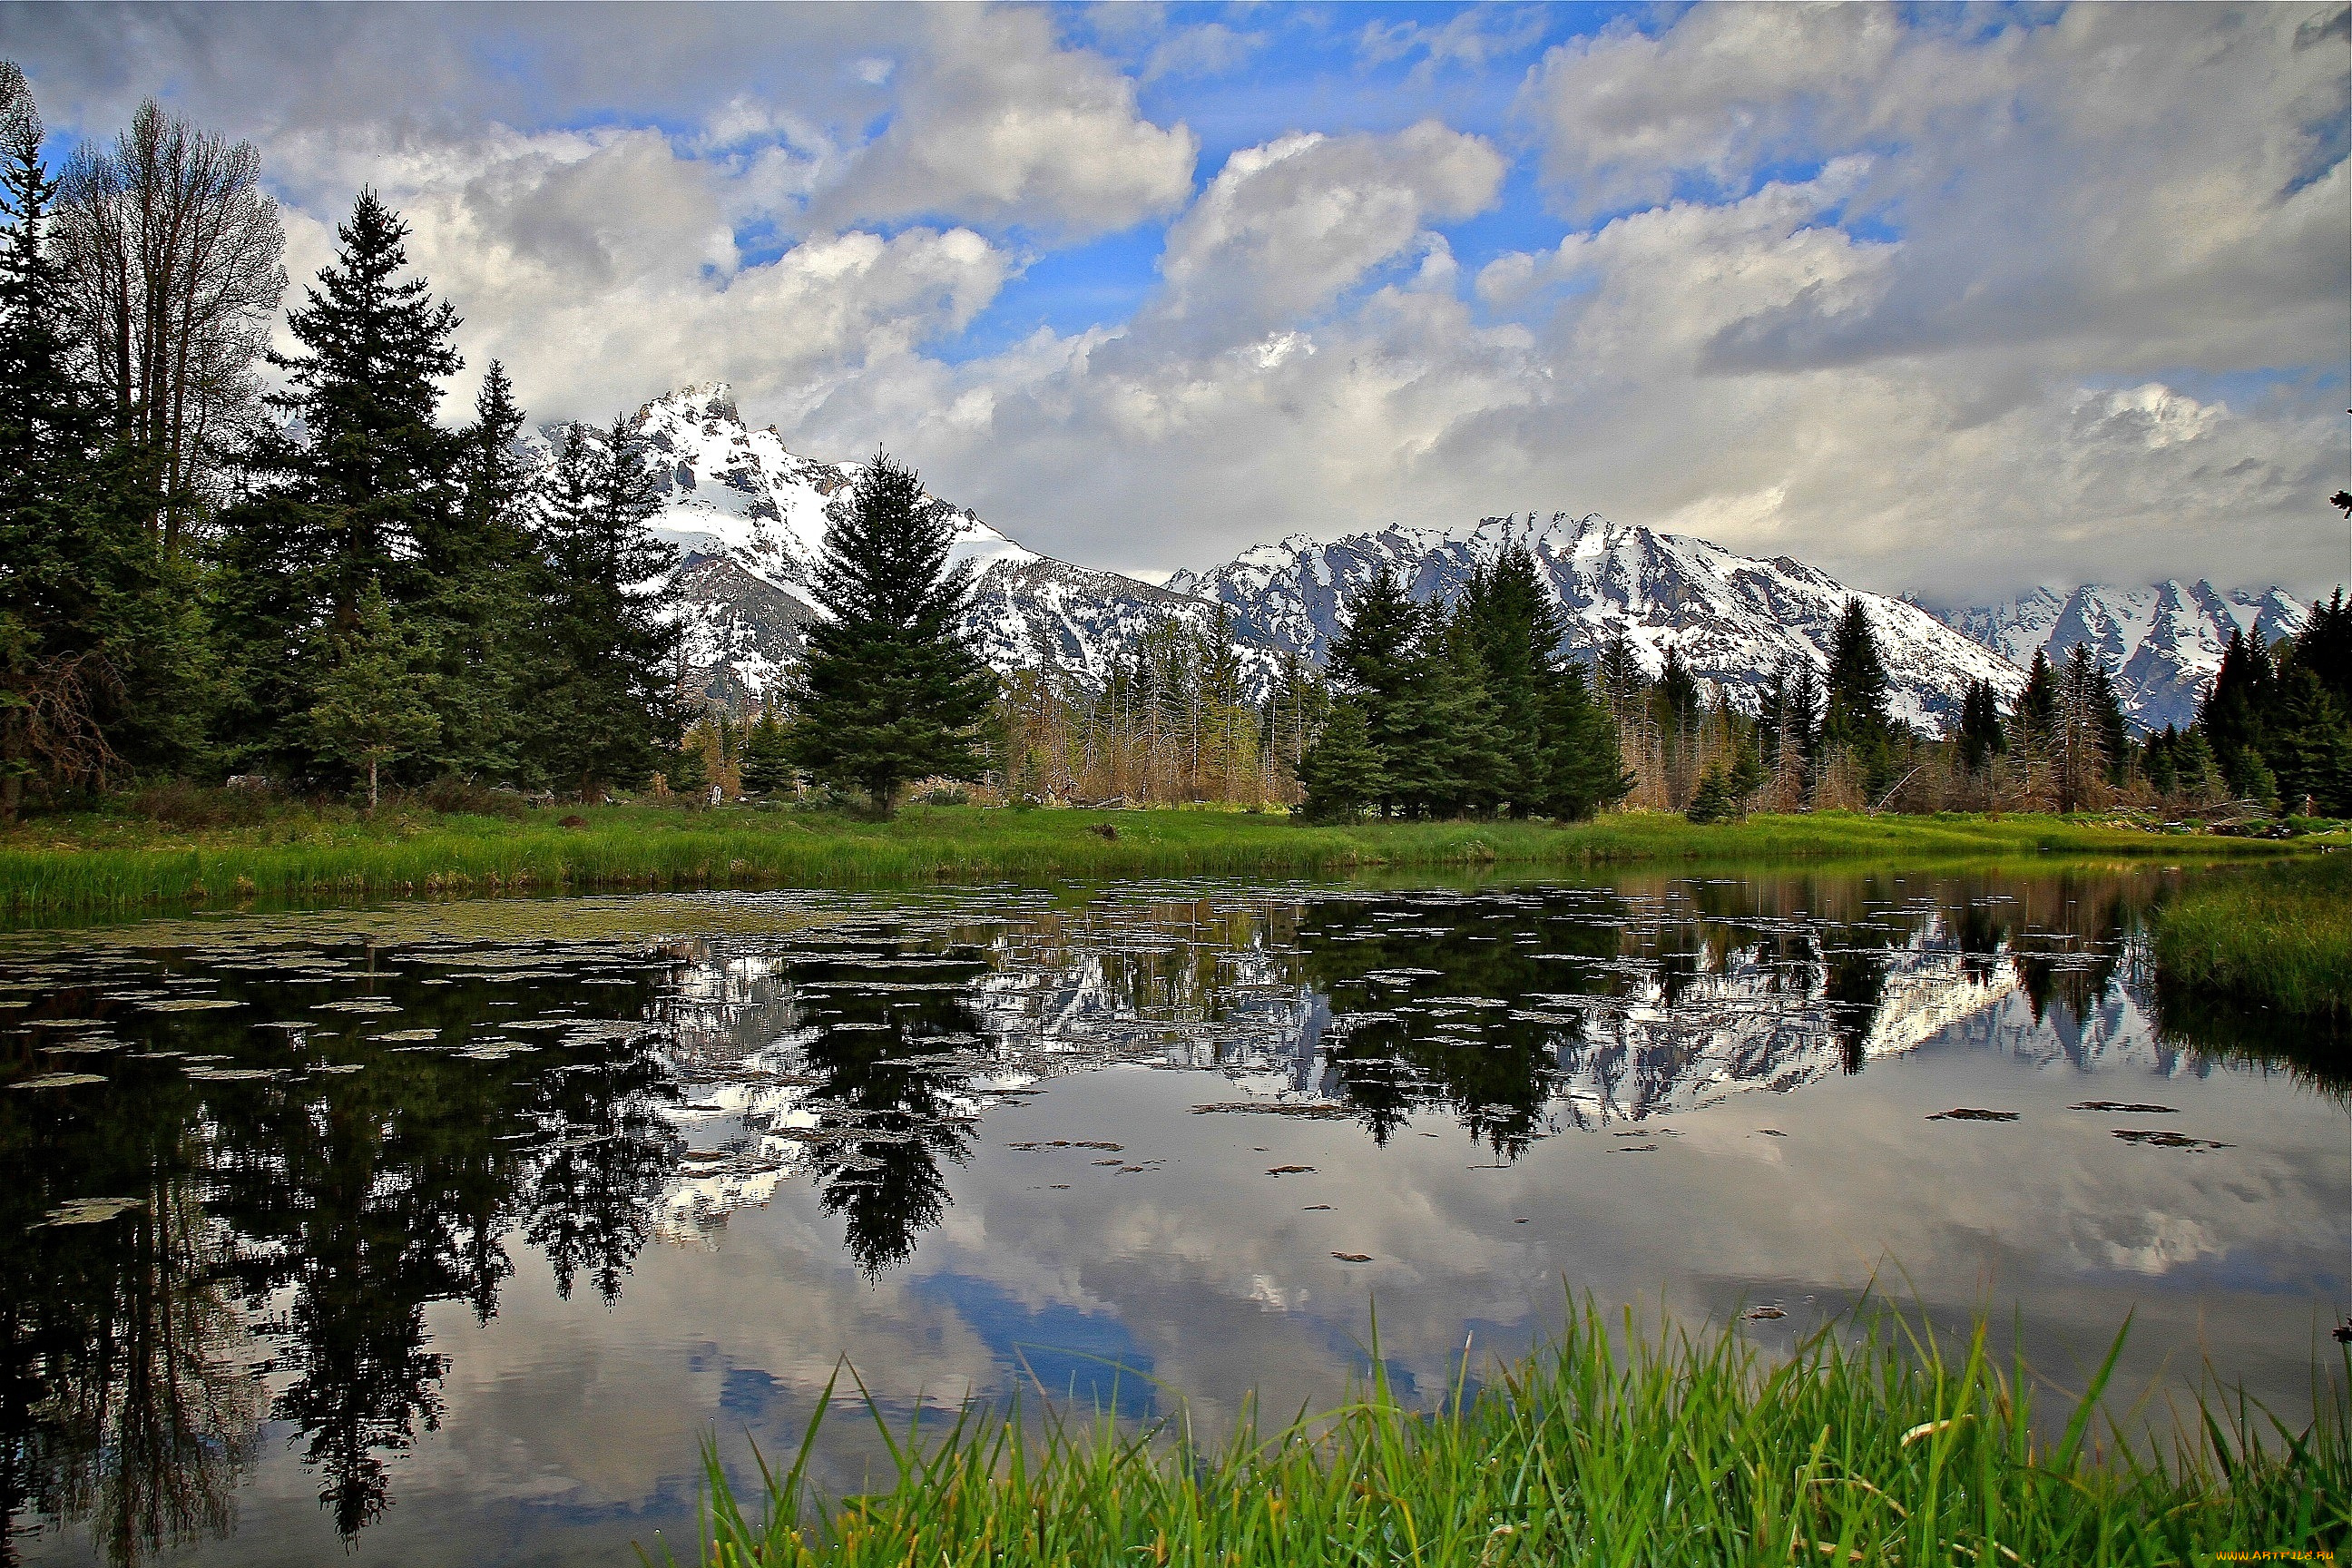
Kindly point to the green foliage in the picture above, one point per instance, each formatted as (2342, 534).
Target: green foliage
(1341, 772)
(687, 770)
(1875, 1441)
(375, 693)
(119, 865)
(890, 691)
(1978, 734)
(2279, 937)
(1714, 801)
(1854, 717)
(102, 662)
(767, 758)
(606, 706)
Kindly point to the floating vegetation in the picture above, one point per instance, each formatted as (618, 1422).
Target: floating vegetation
(1972, 1113)
(191, 1005)
(2128, 1110)
(58, 1080)
(2167, 1140)
(90, 1211)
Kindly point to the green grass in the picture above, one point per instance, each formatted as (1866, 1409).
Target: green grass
(103, 864)
(2278, 936)
(1866, 1446)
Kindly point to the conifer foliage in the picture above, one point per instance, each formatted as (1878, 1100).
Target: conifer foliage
(890, 692)
(1475, 707)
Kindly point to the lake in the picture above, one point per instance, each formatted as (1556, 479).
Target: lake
(443, 1234)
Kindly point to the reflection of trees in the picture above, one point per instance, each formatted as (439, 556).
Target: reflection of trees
(337, 1207)
(120, 1402)
(1389, 1063)
(889, 1108)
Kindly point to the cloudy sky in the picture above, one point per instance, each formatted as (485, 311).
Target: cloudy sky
(1946, 301)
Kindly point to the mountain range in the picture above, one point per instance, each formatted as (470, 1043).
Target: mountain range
(747, 516)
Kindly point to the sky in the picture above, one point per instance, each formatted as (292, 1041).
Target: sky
(1950, 302)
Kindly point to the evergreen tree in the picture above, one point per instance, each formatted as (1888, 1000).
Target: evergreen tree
(485, 582)
(349, 494)
(1855, 717)
(2078, 742)
(1341, 773)
(1746, 775)
(374, 703)
(100, 654)
(1372, 661)
(1516, 631)
(890, 691)
(1585, 769)
(1441, 757)
(2311, 746)
(2036, 716)
(767, 765)
(1623, 682)
(687, 770)
(1715, 800)
(2231, 717)
(610, 706)
(1978, 737)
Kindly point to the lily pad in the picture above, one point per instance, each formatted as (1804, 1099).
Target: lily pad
(58, 1080)
(90, 1211)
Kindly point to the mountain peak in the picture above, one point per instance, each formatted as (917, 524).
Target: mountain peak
(699, 402)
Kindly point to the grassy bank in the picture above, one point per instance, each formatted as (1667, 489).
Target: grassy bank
(2278, 936)
(102, 863)
(1689, 1450)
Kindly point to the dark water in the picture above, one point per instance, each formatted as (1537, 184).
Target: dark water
(441, 1234)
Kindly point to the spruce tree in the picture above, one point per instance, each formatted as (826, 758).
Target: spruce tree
(376, 691)
(484, 583)
(1855, 717)
(2231, 717)
(1516, 629)
(1372, 661)
(1341, 772)
(890, 691)
(767, 765)
(687, 770)
(608, 713)
(349, 494)
(1584, 765)
(101, 653)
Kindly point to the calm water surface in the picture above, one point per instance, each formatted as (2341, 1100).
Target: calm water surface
(441, 1234)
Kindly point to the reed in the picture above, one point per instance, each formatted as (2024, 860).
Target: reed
(2278, 936)
(100, 864)
(1868, 1445)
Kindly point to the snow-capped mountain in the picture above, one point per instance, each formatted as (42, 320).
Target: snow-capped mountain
(2165, 642)
(1733, 617)
(748, 518)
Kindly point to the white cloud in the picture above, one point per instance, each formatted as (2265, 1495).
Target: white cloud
(997, 124)
(1286, 227)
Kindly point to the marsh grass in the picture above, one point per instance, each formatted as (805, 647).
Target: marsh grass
(101, 863)
(2278, 936)
(1868, 1444)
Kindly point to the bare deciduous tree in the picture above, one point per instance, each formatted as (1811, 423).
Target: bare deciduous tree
(173, 253)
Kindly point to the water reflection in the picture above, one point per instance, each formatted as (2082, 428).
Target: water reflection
(241, 1162)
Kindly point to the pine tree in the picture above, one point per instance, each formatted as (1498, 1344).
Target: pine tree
(1622, 680)
(349, 494)
(1979, 737)
(767, 765)
(2035, 718)
(1372, 661)
(1584, 767)
(1341, 772)
(1746, 775)
(102, 655)
(1516, 629)
(609, 708)
(687, 770)
(2230, 718)
(2078, 742)
(374, 704)
(1855, 717)
(1715, 800)
(485, 582)
(890, 691)
(2311, 749)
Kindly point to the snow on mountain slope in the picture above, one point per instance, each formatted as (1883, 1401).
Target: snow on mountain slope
(2163, 642)
(748, 518)
(1732, 616)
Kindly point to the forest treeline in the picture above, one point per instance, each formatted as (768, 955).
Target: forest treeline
(321, 583)
(308, 579)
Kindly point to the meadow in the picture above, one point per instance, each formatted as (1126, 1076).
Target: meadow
(123, 861)
(1870, 1445)
(2278, 937)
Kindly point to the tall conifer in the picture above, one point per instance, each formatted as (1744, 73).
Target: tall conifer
(890, 691)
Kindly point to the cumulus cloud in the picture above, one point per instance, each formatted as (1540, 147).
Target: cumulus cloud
(1287, 227)
(1947, 301)
(999, 124)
